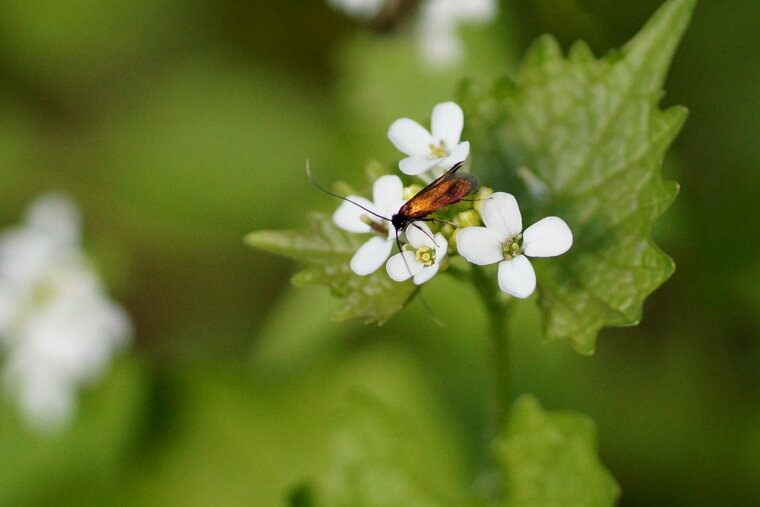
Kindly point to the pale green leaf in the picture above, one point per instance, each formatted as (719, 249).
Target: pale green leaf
(583, 138)
(380, 458)
(549, 459)
(327, 251)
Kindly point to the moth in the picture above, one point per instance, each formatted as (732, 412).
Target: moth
(449, 188)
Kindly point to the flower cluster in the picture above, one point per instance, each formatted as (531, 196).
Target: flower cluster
(437, 23)
(501, 239)
(58, 328)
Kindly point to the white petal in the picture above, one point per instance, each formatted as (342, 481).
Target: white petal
(417, 237)
(441, 247)
(548, 237)
(364, 9)
(479, 245)
(439, 41)
(447, 122)
(399, 270)
(476, 10)
(460, 153)
(425, 274)
(516, 277)
(410, 137)
(417, 165)
(348, 216)
(57, 216)
(371, 255)
(387, 192)
(501, 214)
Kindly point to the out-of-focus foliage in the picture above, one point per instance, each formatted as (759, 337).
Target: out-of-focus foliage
(179, 127)
(37, 467)
(379, 457)
(549, 459)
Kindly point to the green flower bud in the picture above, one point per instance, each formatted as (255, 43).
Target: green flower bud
(481, 196)
(453, 240)
(469, 218)
(411, 191)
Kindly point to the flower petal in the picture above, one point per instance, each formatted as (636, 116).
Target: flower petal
(425, 274)
(516, 277)
(57, 216)
(458, 154)
(439, 41)
(418, 234)
(446, 123)
(410, 137)
(416, 165)
(479, 245)
(387, 192)
(441, 247)
(371, 255)
(501, 214)
(348, 215)
(403, 266)
(548, 237)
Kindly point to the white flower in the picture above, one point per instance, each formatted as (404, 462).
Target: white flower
(387, 193)
(363, 9)
(426, 151)
(423, 261)
(437, 24)
(439, 41)
(57, 326)
(501, 241)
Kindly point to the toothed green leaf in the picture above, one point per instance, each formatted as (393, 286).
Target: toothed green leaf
(380, 458)
(584, 139)
(327, 250)
(549, 459)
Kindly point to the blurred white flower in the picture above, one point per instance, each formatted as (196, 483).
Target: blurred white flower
(58, 328)
(437, 26)
(427, 150)
(363, 9)
(421, 263)
(502, 241)
(439, 20)
(388, 195)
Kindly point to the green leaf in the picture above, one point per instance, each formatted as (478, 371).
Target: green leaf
(327, 251)
(584, 139)
(549, 459)
(379, 458)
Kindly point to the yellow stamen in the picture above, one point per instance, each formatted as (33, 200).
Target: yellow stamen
(438, 151)
(426, 255)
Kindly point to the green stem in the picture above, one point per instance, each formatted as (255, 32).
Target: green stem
(497, 324)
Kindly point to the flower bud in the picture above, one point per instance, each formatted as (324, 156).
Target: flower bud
(469, 218)
(482, 194)
(447, 230)
(453, 239)
(411, 191)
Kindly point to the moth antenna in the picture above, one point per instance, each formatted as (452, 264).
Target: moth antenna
(423, 230)
(323, 189)
(430, 219)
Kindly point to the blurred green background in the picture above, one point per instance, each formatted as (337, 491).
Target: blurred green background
(179, 126)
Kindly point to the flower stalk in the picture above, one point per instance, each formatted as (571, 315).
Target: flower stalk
(497, 314)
